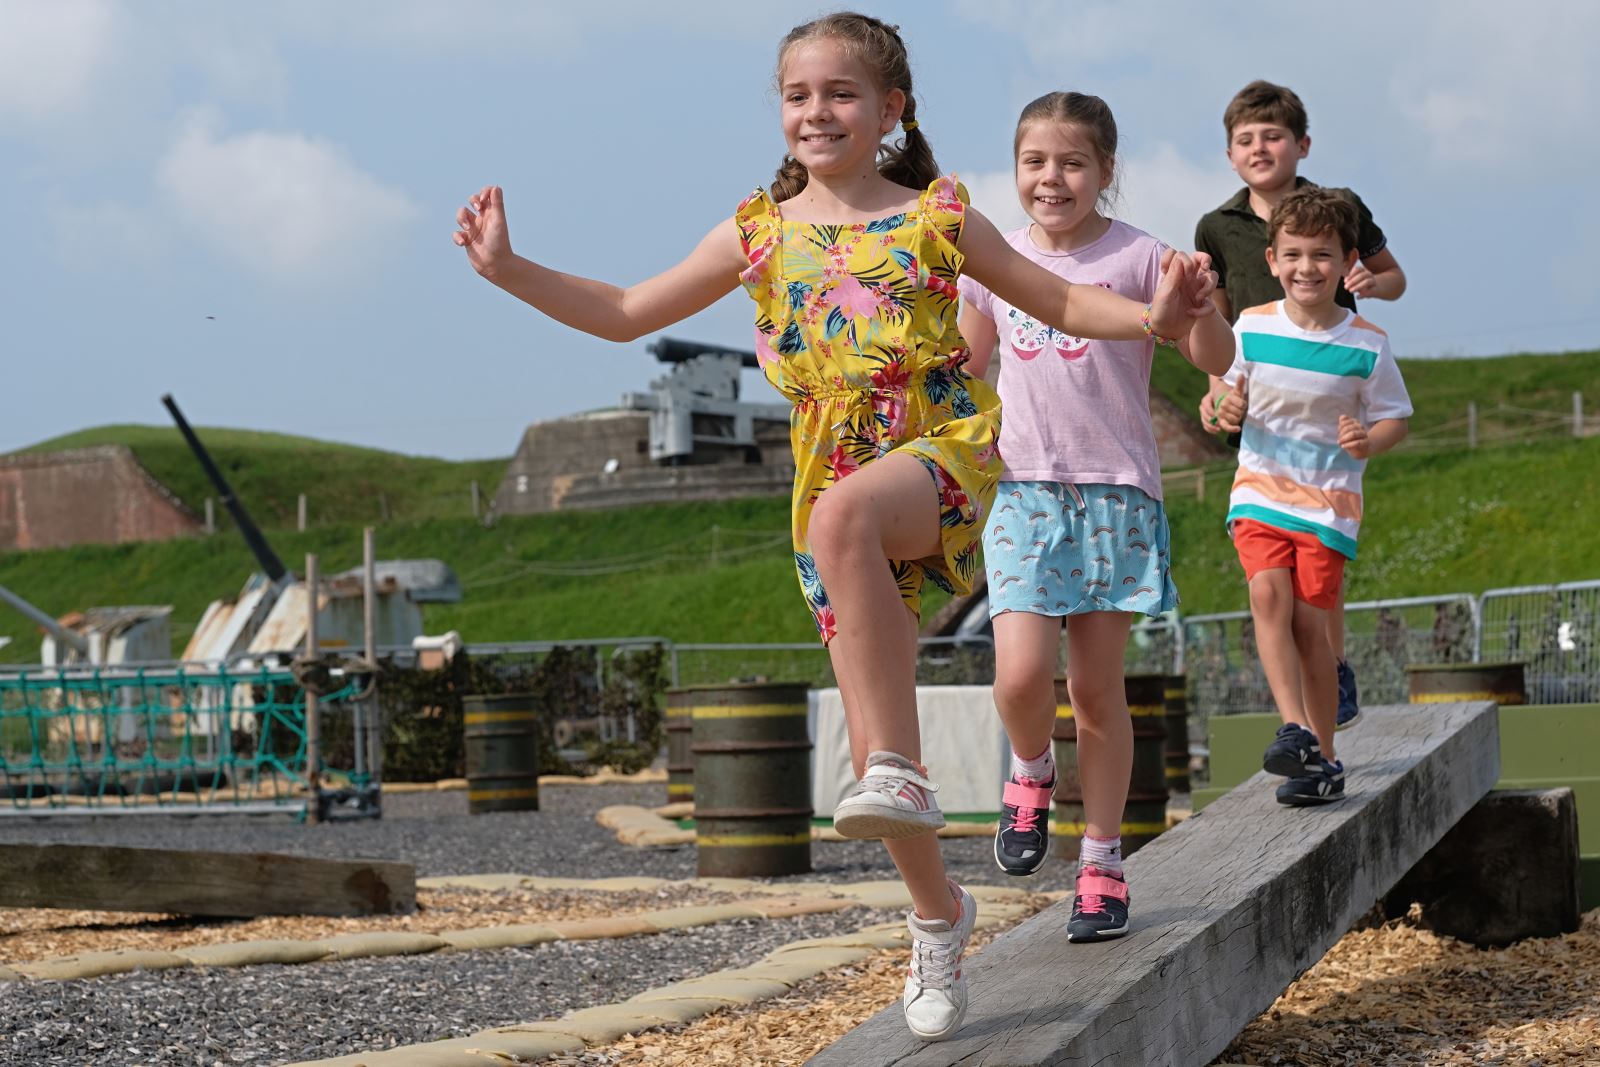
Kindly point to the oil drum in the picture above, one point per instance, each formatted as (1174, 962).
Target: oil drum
(502, 752)
(1146, 813)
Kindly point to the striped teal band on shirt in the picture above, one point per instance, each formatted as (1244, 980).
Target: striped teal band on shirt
(1301, 455)
(1318, 356)
(1340, 543)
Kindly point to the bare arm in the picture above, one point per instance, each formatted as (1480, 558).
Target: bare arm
(707, 274)
(1079, 310)
(1210, 344)
(977, 329)
(1364, 442)
(1377, 278)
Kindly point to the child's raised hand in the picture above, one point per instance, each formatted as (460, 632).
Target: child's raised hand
(1229, 417)
(1353, 438)
(1360, 281)
(483, 230)
(1170, 309)
(1205, 283)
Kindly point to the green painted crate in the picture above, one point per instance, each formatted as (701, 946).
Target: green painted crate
(1542, 746)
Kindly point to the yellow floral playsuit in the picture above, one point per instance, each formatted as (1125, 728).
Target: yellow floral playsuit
(856, 325)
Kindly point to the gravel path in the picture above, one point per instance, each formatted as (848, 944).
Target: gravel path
(434, 832)
(275, 1015)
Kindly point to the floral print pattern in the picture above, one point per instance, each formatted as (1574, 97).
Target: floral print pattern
(856, 325)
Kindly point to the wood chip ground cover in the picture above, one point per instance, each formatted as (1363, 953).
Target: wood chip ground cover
(1395, 995)
(42, 933)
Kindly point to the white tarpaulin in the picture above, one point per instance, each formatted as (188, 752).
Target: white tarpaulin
(963, 746)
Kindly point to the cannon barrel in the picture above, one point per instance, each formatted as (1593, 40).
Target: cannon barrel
(270, 563)
(672, 350)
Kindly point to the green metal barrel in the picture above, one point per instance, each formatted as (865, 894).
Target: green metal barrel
(502, 752)
(680, 761)
(752, 779)
(1447, 683)
(1146, 813)
(1177, 735)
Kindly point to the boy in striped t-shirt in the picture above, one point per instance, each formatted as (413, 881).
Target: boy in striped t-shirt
(1325, 394)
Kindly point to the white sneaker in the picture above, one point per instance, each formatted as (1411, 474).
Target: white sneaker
(935, 999)
(892, 800)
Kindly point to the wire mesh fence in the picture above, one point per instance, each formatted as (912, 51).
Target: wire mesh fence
(1554, 630)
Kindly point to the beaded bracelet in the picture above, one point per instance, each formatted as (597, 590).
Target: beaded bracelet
(1150, 331)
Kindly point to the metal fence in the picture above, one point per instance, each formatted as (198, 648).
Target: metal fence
(1554, 630)
(174, 739)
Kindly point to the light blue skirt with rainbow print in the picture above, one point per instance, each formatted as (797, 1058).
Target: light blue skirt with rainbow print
(1052, 548)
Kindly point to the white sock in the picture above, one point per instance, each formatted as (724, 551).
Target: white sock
(1102, 852)
(1041, 768)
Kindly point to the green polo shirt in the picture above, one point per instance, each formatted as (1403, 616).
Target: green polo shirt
(1235, 238)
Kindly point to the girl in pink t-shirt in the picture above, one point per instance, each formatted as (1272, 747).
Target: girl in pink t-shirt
(1078, 531)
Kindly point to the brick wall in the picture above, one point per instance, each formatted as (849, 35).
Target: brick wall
(87, 495)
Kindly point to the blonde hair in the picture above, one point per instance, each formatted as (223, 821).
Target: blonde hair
(878, 46)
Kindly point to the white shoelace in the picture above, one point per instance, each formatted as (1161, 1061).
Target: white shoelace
(933, 963)
(889, 779)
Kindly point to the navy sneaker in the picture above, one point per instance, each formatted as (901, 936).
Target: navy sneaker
(1023, 839)
(1293, 753)
(1099, 905)
(1349, 705)
(1324, 787)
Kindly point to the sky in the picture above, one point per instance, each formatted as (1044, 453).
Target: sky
(250, 206)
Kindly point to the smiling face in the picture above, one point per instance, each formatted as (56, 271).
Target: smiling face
(834, 115)
(1309, 268)
(1060, 176)
(1266, 154)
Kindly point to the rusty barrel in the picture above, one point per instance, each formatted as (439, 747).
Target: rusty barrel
(1146, 813)
(1447, 683)
(1177, 734)
(502, 752)
(752, 779)
(680, 761)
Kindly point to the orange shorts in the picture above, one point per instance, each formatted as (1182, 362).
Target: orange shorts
(1316, 570)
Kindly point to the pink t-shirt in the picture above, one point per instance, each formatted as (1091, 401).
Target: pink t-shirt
(1074, 410)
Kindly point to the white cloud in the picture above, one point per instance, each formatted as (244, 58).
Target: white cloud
(50, 53)
(1164, 194)
(291, 206)
(994, 193)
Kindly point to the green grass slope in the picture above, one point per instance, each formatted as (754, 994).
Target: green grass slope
(268, 472)
(1437, 523)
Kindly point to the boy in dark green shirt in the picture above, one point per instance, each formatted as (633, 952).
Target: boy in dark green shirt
(1267, 139)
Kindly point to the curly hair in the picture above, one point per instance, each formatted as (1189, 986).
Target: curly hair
(1311, 211)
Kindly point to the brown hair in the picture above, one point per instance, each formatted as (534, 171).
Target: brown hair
(1310, 212)
(1080, 109)
(1261, 101)
(877, 45)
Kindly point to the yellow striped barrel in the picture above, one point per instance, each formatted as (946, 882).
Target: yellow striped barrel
(1449, 683)
(1145, 814)
(680, 760)
(752, 779)
(501, 735)
(1177, 734)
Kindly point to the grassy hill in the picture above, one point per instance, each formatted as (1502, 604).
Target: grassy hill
(1440, 520)
(268, 471)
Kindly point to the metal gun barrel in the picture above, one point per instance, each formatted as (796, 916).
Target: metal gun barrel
(671, 350)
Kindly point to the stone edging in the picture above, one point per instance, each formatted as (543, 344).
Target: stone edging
(648, 828)
(605, 776)
(682, 1002)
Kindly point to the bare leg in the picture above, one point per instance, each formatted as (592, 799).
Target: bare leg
(1272, 606)
(1319, 681)
(1336, 625)
(1025, 647)
(1100, 706)
(886, 510)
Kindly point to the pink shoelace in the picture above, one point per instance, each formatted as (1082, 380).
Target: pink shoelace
(1031, 798)
(1094, 885)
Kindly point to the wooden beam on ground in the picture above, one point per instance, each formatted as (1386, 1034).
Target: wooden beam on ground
(1227, 910)
(235, 884)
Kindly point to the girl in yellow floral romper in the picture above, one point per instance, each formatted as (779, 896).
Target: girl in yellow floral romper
(854, 280)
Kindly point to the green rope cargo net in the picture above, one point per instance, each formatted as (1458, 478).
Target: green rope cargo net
(106, 740)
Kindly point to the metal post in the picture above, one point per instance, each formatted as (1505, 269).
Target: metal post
(1472, 424)
(302, 513)
(369, 610)
(1577, 413)
(211, 516)
(477, 505)
(313, 777)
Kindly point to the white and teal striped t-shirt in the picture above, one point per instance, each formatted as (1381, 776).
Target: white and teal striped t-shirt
(1292, 472)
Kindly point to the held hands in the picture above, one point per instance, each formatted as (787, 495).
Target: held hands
(1183, 294)
(1227, 409)
(1353, 438)
(483, 231)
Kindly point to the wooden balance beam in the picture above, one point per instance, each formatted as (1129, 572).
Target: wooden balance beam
(1228, 908)
(169, 881)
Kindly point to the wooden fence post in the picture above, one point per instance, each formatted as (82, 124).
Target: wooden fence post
(301, 513)
(1472, 424)
(477, 506)
(312, 708)
(369, 609)
(1577, 413)
(211, 516)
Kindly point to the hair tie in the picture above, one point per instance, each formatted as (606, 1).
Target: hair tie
(909, 126)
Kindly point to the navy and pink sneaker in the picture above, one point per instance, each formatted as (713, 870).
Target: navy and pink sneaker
(1100, 906)
(1023, 840)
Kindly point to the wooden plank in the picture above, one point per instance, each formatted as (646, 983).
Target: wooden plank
(1228, 908)
(113, 878)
